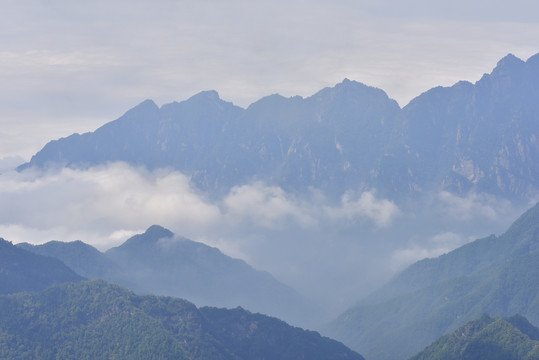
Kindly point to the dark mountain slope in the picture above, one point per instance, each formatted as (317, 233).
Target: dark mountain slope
(21, 270)
(77, 255)
(157, 262)
(100, 321)
(496, 275)
(249, 335)
(487, 338)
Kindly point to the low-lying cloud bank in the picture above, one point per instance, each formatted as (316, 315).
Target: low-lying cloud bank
(333, 251)
(115, 200)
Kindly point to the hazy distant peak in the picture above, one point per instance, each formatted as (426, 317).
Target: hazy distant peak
(510, 58)
(144, 241)
(533, 60)
(208, 95)
(347, 83)
(146, 104)
(145, 109)
(352, 89)
(356, 85)
(157, 232)
(463, 84)
(271, 98)
(508, 63)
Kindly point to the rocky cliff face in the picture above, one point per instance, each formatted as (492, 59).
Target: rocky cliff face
(480, 137)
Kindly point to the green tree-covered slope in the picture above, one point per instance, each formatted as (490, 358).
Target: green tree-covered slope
(97, 320)
(494, 275)
(487, 338)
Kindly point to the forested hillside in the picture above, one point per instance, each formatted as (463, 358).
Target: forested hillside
(97, 320)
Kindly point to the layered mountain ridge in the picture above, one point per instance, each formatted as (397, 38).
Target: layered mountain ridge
(468, 137)
(22, 270)
(158, 262)
(495, 275)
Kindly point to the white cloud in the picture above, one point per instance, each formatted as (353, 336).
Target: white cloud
(434, 246)
(107, 202)
(366, 205)
(473, 206)
(265, 206)
(10, 163)
(307, 241)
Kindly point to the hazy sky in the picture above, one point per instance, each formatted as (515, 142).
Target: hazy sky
(70, 66)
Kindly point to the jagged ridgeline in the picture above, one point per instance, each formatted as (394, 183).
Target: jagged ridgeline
(481, 136)
(97, 320)
(497, 275)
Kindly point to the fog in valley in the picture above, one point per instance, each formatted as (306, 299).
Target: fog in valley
(333, 252)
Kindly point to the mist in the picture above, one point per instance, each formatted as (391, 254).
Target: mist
(333, 252)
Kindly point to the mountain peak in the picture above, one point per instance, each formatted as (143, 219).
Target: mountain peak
(147, 104)
(350, 84)
(211, 95)
(145, 109)
(508, 63)
(144, 241)
(158, 232)
(354, 88)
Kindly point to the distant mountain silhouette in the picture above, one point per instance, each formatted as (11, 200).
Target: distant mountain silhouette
(481, 136)
(494, 275)
(157, 262)
(21, 270)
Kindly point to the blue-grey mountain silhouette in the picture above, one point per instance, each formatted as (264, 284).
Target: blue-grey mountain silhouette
(480, 137)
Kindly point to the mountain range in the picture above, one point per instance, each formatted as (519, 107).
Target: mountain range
(465, 139)
(158, 262)
(495, 275)
(469, 137)
(480, 137)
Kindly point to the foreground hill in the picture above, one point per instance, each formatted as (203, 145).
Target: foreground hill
(487, 338)
(481, 137)
(157, 262)
(495, 275)
(96, 320)
(21, 270)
